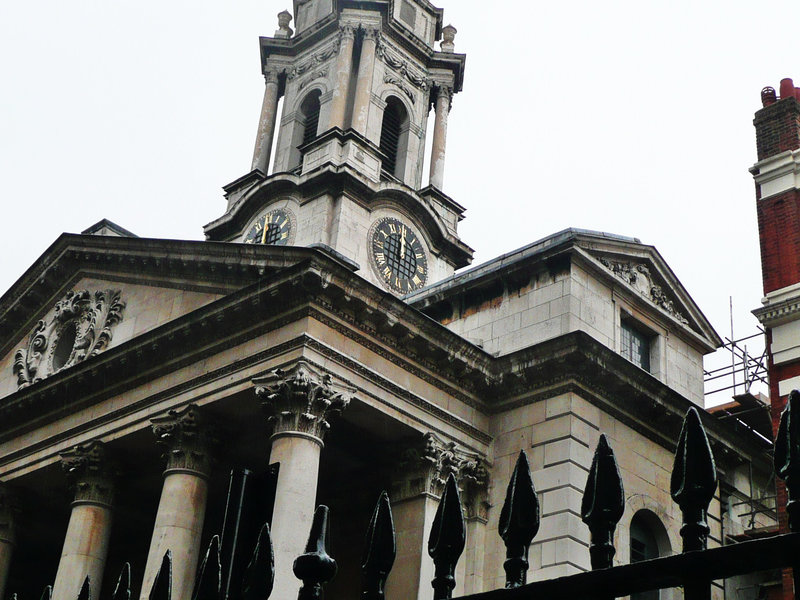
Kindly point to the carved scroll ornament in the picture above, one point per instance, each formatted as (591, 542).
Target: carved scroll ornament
(639, 277)
(79, 326)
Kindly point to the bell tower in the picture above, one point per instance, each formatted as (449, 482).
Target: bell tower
(358, 80)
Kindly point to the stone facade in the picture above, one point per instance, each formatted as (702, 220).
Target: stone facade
(293, 373)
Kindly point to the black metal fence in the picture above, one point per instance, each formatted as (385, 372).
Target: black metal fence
(692, 487)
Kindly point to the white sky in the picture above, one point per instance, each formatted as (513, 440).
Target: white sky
(633, 117)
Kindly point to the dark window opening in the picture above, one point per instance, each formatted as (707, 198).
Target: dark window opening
(310, 109)
(394, 120)
(635, 345)
(643, 547)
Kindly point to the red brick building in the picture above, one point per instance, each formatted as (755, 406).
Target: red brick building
(777, 179)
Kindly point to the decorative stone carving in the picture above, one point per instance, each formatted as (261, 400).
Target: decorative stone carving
(443, 92)
(79, 326)
(187, 439)
(284, 31)
(427, 464)
(638, 276)
(448, 38)
(90, 473)
(319, 74)
(402, 67)
(300, 399)
(316, 60)
(347, 30)
(271, 75)
(389, 78)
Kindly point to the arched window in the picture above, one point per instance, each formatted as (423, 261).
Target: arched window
(310, 109)
(305, 127)
(394, 138)
(648, 539)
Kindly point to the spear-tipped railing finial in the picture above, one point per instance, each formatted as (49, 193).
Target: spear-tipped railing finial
(787, 457)
(447, 539)
(122, 591)
(379, 551)
(519, 521)
(162, 584)
(603, 504)
(694, 480)
(47, 593)
(260, 573)
(209, 579)
(315, 567)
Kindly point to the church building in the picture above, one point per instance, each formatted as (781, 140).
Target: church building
(330, 340)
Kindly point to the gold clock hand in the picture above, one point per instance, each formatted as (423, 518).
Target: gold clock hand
(264, 232)
(403, 243)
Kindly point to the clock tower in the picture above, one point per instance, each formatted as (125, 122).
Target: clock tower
(358, 82)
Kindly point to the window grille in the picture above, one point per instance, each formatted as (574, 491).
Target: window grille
(635, 346)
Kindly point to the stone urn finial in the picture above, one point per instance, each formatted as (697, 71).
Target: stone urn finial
(284, 31)
(448, 37)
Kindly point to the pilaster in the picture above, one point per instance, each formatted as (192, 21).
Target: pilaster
(422, 472)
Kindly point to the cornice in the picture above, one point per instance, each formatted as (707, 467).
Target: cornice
(342, 180)
(578, 363)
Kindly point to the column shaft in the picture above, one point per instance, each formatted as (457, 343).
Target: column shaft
(295, 501)
(344, 67)
(8, 537)
(178, 527)
(413, 569)
(84, 552)
(266, 124)
(299, 402)
(363, 92)
(439, 138)
(186, 438)
(6, 552)
(85, 546)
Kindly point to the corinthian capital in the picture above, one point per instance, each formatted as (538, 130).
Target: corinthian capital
(271, 74)
(347, 30)
(90, 473)
(186, 438)
(426, 464)
(300, 399)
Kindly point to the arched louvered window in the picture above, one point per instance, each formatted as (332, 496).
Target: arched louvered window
(394, 134)
(310, 110)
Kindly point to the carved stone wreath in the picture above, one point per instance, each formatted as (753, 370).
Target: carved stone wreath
(79, 326)
(639, 277)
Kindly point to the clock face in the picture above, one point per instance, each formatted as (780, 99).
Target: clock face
(273, 227)
(398, 255)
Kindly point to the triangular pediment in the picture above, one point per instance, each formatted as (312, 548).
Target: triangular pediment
(87, 294)
(639, 272)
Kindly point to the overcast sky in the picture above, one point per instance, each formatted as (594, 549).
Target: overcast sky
(631, 117)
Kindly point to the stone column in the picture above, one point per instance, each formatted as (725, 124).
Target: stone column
(266, 124)
(442, 104)
(187, 440)
(344, 67)
(86, 544)
(298, 402)
(8, 533)
(363, 94)
(423, 470)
